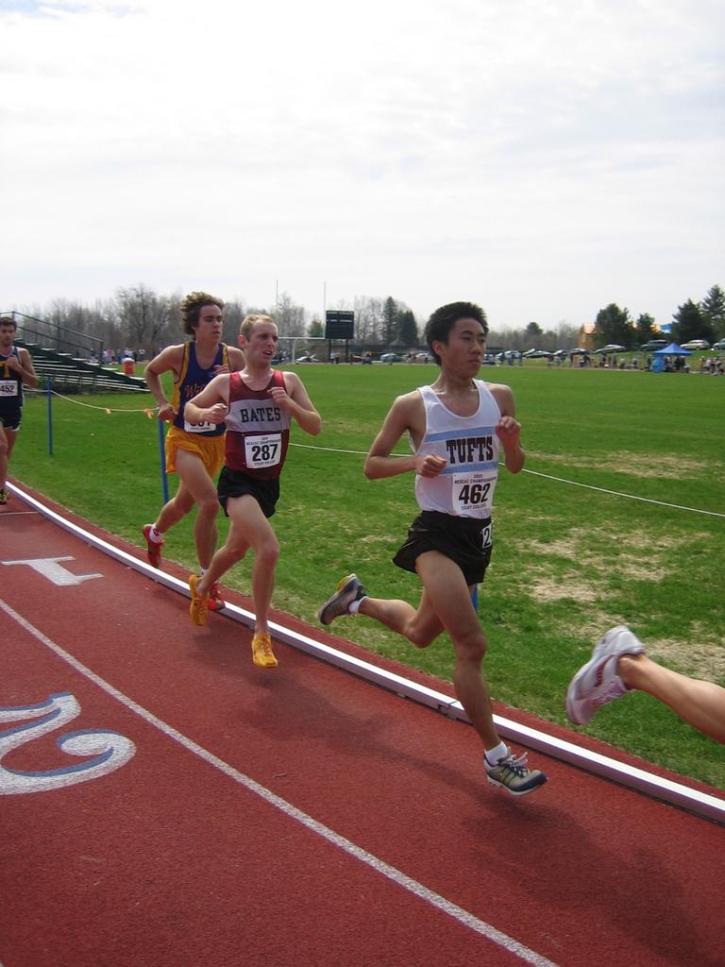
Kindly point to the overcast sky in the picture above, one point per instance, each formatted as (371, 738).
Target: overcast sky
(541, 158)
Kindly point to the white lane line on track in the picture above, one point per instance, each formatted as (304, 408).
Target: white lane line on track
(19, 513)
(369, 859)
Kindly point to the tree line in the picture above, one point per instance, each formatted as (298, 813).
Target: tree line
(691, 320)
(140, 318)
(137, 317)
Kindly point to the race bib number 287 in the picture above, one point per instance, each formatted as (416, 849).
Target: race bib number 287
(263, 451)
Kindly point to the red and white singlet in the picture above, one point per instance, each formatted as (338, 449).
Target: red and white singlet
(257, 429)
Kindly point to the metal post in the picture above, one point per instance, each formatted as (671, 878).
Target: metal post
(162, 456)
(50, 416)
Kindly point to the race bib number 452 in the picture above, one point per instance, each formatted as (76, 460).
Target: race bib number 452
(473, 492)
(8, 387)
(263, 451)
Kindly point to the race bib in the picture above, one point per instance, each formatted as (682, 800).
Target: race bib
(263, 451)
(473, 493)
(8, 387)
(198, 427)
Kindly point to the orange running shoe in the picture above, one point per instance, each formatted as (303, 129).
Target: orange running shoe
(153, 548)
(262, 654)
(199, 607)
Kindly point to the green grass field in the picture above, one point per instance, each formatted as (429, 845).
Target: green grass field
(569, 561)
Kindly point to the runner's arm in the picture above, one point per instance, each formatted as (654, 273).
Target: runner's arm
(212, 404)
(27, 371)
(168, 359)
(296, 402)
(404, 416)
(508, 429)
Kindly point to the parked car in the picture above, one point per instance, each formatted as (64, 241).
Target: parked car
(653, 345)
(391, 358)
(720, 344)
(696, 344)
(307, 358)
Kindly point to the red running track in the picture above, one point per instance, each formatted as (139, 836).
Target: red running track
(230, 816)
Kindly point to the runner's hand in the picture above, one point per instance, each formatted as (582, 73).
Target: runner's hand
(429, 465)
(167, 413)
(280, 396)
(216, 413)
(508, 430)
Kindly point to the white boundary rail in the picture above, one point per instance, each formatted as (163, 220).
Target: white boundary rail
(675, 793)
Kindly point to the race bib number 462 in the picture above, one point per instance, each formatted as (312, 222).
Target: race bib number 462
(263, 451)
(473, 492)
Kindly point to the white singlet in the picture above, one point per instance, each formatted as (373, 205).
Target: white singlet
(470, 445)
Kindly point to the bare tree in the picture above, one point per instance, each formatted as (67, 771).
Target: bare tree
(143, 314)
(289, 316)
(368, 319)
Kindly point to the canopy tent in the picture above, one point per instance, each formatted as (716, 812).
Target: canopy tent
(672, 350)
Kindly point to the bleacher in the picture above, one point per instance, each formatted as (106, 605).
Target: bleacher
(71, 374)
(62, 356)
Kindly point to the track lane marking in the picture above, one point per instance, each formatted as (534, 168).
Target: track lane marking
(464, 917)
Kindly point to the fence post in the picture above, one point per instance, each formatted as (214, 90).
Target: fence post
(50, 415)
(162, 456)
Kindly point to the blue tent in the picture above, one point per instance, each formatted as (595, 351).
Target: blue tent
(658, 363)
(672, 350)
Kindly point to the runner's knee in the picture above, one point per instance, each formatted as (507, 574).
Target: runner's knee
(471, 645)
(268, 552)
(209, 506)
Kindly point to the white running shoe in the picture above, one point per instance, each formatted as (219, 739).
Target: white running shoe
(597, 682)
(349, 589)
(512, 774)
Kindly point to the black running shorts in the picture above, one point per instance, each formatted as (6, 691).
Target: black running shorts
(236, 483)
(11, 422)
(465, 540)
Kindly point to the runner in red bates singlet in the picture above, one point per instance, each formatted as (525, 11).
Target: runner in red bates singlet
(257, 404)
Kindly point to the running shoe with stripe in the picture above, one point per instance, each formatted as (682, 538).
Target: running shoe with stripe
(262, 654)
(512, 774)
(349, 589)
(597, 683)
(199, 607)
(153, 548)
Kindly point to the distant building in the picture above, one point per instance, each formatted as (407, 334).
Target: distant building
(586, 336)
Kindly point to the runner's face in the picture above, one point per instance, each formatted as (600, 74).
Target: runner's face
(261, 345)
(209, 326)
(464, 351)
(7, 335)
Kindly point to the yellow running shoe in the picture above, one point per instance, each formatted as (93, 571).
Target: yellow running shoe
(262, 653)
(199, 607)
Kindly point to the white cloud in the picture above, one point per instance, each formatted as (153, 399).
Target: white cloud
(543, 158)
